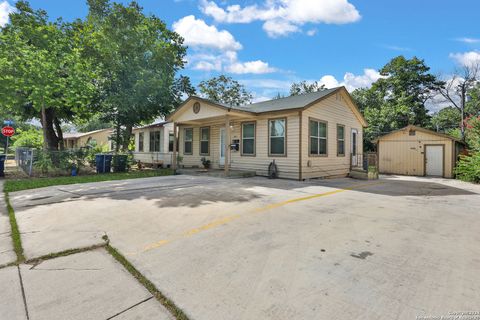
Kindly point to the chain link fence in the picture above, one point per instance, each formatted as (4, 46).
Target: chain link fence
(24, 157)
(37, 162)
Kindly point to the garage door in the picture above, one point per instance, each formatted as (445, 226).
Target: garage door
(434, 161)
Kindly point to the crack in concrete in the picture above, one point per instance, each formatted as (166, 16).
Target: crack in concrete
(129, 308)
(23, 293)
(67, 269)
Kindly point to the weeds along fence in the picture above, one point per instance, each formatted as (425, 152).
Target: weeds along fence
(37, 162)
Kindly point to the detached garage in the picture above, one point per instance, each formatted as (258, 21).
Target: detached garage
(416, 151)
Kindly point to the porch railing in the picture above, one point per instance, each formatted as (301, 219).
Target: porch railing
(363, 161)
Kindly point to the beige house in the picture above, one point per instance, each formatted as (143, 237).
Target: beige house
(417, 151)
(308, 136)
(154, 144)
(82, 139)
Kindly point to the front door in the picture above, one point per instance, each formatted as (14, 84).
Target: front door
(222, 146)
(353, 147)
(434, 161)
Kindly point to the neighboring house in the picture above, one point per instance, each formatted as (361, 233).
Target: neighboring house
(154, 144)
(417, 151)
(309, 136)
(82, 139)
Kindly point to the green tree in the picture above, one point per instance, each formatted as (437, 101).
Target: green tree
(398, 98)
(406, 86)
(462, 86)
(225, 90)
(472, 105)
(446, 119)
(137, 58)
(92, 124)
(304, 87)
(472, 134)
(42, 73)
(31, 138)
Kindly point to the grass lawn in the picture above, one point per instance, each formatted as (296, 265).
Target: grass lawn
(33, 183)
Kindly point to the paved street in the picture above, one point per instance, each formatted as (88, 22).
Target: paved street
(259, 249)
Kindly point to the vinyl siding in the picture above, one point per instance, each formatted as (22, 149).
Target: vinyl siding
(287, 165)
(333, 110)
(101, 137)
(152, 157)
(400, 153)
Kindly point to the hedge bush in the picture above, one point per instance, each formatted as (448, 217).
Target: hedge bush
(468, 168)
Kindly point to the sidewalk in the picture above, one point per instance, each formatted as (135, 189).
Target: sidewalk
(7, 255)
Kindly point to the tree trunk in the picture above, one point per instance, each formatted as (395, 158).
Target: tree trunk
(50, 139)
(43, 120)
(127, 135)
(117, 137)
(58, 129)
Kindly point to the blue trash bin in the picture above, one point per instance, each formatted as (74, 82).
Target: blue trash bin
(103, 163)
(100, 163)
(3, 157)
(108, 163)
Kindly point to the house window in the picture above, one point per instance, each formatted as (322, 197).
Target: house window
(277, 136)
(340, 140)
(318, 138)
(188, 141)
(140, 142)
(171, 139)
(248, 138)
(205, 141)
(411, 132)
(154, 141)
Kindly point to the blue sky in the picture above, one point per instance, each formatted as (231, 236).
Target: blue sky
(267, 44)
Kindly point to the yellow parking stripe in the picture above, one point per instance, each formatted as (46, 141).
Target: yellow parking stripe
(223, 221)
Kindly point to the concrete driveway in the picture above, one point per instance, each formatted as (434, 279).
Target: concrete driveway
(255, 248)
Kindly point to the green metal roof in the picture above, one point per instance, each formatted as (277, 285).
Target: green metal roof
(292, 102)
(288, 103)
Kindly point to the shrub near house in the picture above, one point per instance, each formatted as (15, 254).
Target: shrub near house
(468, 167)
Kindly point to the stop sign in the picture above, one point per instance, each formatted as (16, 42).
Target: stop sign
(8, 131)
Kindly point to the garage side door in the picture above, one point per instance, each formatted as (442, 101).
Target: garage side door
(434, 160)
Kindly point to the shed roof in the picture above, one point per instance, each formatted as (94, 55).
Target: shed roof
(416, 128)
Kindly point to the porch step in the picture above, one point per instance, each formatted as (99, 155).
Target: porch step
(358, 173)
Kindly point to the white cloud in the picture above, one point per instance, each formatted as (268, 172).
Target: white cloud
(271, 84)
(257, 67)
(466, 58)
(198, 34)
(5, 10)
(311, 32)
(468, 40)
(278, 27)
(397, 48)
(215, 50)
(352, 81)
(288, 15)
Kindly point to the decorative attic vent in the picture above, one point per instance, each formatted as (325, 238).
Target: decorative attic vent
(411, 132)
